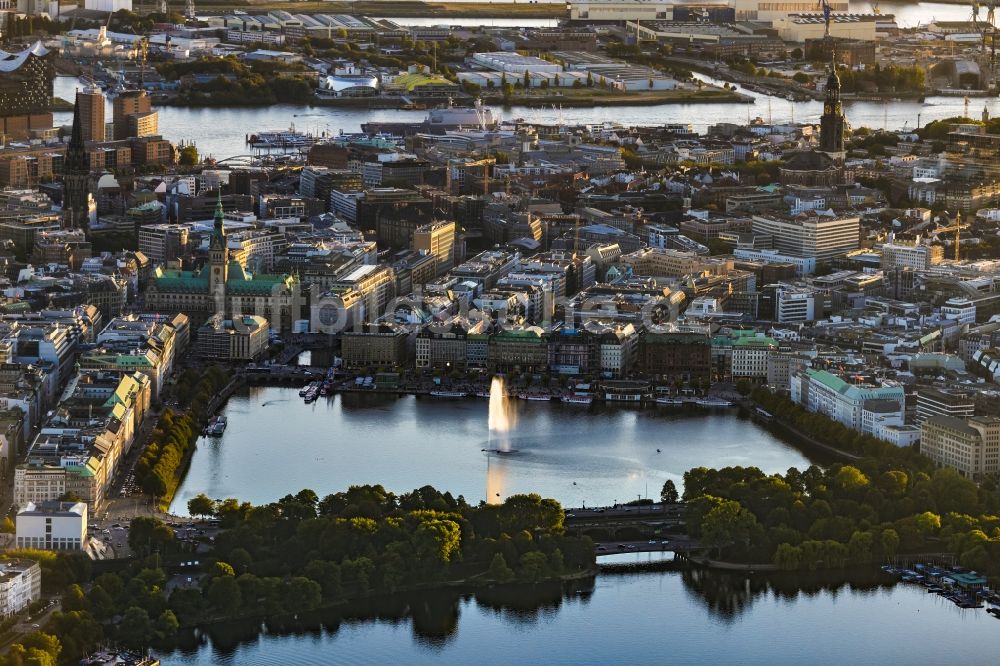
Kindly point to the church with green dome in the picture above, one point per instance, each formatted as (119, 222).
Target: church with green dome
(222, 286)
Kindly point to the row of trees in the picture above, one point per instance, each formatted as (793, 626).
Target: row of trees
(938, 130)
(883, 78)
(844, 514)
(173, 438)
(176, 433)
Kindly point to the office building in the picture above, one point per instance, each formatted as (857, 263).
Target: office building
(92, 103)
(970, 446)
(163, 242)
(749, 357)
(901, 254)
(438, 240)
(133, 115)
(676, 356)
(242, 338)
(820, 235)
(944, 402)
(52, 525)
(374, 345)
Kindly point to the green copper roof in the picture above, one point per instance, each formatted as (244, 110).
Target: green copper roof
(755, 342)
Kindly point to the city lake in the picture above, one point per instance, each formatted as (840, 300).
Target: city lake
(659, 617)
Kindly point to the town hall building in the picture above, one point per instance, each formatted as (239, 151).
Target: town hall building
(223, 286)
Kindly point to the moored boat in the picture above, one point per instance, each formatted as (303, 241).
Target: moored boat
(577, 399)
(712, 402)
(216, 426)
(440, 393)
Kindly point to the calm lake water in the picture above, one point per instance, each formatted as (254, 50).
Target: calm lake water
(690, 617)
(276, 444)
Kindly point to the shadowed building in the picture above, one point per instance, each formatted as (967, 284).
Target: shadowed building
(76, 178)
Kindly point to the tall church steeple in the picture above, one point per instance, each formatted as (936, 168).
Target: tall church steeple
(832, 122)
(218, 260)
(76, 178)
(218, 230)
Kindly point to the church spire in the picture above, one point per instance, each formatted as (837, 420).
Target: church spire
(219, 230)
(76, 176)
(832, 122)
(219, 213)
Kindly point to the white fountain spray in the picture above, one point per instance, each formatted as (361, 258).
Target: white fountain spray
(501, 419)
(501, 422)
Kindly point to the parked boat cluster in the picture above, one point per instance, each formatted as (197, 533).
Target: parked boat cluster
(216, 426)
(313, 390)
(582, 399)
(964, 588)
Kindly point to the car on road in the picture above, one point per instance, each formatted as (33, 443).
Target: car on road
(35, 626)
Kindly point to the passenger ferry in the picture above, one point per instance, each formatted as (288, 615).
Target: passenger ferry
(440, 393)
(712, 402)
(577, 399)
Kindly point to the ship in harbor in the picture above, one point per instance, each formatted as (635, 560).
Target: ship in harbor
(440, 120)
(289, 139)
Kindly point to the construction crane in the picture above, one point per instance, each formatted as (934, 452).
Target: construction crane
(826, 18)
(956, 226)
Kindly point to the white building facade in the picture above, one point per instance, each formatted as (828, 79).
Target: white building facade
(52, 526)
